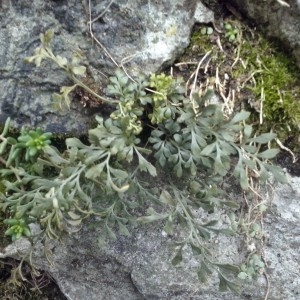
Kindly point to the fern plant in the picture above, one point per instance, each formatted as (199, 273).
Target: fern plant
(153, 130)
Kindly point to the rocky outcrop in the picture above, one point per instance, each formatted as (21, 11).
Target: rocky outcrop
(141, 36)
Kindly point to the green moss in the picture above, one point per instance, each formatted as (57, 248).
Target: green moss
(260, 73)
(282, 91)
(275, 85)
(200, 39)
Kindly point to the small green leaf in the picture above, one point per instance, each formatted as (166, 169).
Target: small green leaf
(250, 163)
(203, 30)
(168, 228)
(46, 37)
(235, 288)
(79, 70)
(263, 174)
(210, 223)
(10, 231)
(61, 61)
(6, 126)
(222, 283)
(203, 272)
(208, 150)
(228, 26)
(220, 168)
(248, 131)
(74, 142)
(197, 144)
(33, 151)
(166, 198)
(177, 138)
(268, 154)
(262, 207)
(256, 227)
(3, 146)
(228, 137)
(241, 116)
(177, 258)
(54, 155)
(11, 222)
(26, 231)
(145, 165)
(250, 149)
(243, 275)
(66, 90)
(182, 220)
(110, 233)
(95, 171)
(178, 169)
(123, 229)
(227, 232)
(204, 233)
(195, 187)
(196, 250)
(229, 268)
(264, 138)
(154, 216)
(118, 173)
(209, 31)
(243, 179)
(277, 173)
(57, 99)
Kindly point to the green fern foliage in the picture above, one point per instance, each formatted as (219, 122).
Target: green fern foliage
(191, 145)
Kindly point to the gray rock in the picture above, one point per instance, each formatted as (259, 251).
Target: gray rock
(138, 267)
(278, 20)
(142, 36)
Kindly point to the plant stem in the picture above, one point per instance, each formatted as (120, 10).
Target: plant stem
(69, 72)
(81, 84)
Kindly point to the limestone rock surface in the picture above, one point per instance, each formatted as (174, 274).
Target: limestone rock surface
(139, 267)
(141, 36)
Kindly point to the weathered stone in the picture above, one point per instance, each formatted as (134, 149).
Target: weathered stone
(138, 267)
(142, 36)
(278, 20)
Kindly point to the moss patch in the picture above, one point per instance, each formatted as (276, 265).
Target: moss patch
(249, 72)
